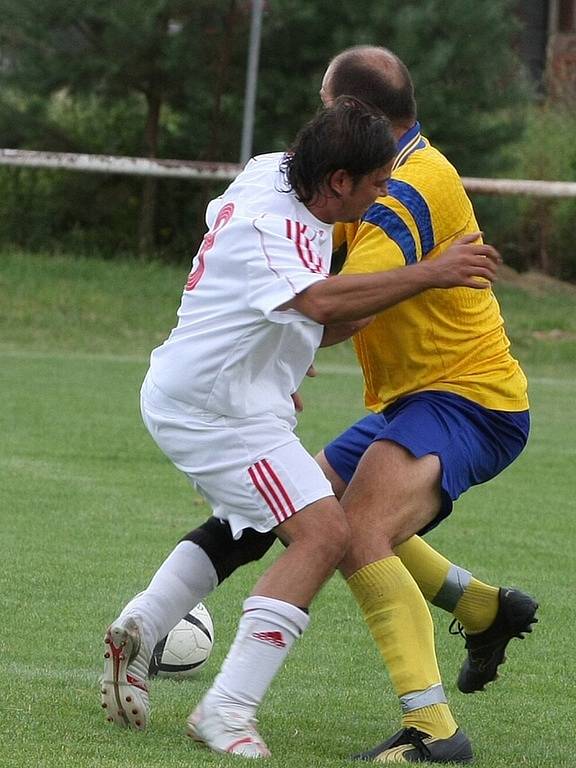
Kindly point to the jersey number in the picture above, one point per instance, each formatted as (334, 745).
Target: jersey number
(224, 216)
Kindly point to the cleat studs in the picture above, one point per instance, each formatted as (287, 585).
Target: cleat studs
(128, 699)
(107, 655)
(110, 719)
(134, 711)
(138, 723)
(104, 705)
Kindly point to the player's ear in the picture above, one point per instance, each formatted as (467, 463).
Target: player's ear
(339, 182)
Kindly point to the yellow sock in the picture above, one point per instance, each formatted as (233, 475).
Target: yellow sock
(436, 720)
(448, 586)
(428, 567)
(401, 625)
(477, 608)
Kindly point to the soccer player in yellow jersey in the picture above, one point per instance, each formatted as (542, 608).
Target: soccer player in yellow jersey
(449, 410)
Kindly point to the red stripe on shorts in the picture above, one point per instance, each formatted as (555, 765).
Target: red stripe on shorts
(271, 489)
(279, 485)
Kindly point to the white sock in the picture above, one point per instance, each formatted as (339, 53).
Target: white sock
(184, 578)
(266, 633)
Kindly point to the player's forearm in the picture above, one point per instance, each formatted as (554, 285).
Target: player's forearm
(467, 263)
(346, 298)
(339, 332)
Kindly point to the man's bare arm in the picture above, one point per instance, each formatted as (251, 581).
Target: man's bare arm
(345, 298)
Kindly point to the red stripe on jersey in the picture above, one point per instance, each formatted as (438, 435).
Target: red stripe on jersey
(295, 231)
(306, 253)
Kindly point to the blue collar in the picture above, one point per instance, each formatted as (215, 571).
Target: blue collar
(408, 143)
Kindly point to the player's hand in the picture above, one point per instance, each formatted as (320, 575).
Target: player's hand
(298, 402)
(466, 263)
(297, 397)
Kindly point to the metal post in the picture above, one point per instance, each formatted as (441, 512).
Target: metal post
(251, 81)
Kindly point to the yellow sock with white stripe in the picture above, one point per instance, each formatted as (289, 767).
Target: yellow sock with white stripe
(449, 586)
(401, 625)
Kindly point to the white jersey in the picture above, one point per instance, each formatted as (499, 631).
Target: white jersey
(233, 352)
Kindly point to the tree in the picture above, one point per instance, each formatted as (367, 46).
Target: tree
(166, 78)
(170, 53)
(469, 82)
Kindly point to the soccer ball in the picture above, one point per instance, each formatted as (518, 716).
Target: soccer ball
(186, 648)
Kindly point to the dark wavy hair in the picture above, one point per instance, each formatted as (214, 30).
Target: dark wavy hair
(348, 135)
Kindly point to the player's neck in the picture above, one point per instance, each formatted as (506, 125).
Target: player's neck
(399, 129)
(324, 209)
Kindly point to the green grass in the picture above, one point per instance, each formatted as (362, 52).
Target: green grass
(89, 507)
(542, 325)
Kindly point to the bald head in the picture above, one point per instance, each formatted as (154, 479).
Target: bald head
(376, 76)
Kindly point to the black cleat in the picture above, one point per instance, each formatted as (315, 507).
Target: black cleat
(486, 650)
(413, 746)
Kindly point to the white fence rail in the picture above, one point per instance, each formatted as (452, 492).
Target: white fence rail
(134, 166)
(520, 187)
(186, 169)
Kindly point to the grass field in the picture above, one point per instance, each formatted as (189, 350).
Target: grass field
(89, 507)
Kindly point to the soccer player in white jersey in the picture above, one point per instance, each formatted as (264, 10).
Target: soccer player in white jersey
(217, 400)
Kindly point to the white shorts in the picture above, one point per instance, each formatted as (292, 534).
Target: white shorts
(254, 472)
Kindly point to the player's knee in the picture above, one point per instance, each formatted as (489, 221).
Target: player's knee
(333, 544)
(226, 553)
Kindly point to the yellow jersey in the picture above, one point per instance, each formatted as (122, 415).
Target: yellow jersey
(450, 340)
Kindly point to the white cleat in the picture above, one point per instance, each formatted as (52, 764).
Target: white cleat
(225, 732)
(124, 684)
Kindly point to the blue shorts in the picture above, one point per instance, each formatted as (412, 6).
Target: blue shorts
(474, 444)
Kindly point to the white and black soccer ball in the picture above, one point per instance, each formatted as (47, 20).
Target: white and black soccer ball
(186, 648)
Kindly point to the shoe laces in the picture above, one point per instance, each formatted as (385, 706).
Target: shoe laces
(415, 738)
(456, 628)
